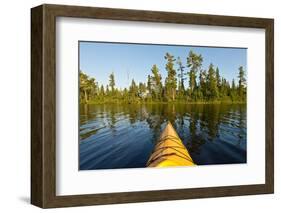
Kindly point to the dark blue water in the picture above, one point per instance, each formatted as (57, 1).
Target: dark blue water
(123, 136)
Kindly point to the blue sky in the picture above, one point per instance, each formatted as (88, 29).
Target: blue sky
(134, 61)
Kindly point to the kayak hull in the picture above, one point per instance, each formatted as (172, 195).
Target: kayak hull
(169, 150)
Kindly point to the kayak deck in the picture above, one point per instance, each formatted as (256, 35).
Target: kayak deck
(169, 150)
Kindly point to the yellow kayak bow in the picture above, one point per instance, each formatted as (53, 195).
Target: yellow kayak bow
(169, 150)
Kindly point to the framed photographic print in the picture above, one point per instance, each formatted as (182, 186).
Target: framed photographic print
(136, 106)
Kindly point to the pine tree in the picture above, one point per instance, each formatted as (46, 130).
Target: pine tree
(218, 79)
(133, 90)
(171, 80)
(85, 86)
(233, 87)
(242, 83)
(181, 77)
(203, 83)
(125, 94)
(194, 62)
(212, 83)
(223, 89)
(142, 90)
(149, 84)
(93, 87)
(107, 90)
(112, 82)
(101, 92)
(233, 90)
(156, 84)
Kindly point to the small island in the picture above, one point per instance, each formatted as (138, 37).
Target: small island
(205, 85)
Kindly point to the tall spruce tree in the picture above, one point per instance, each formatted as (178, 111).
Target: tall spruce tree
(156, 83)
(149, 84)
(203, 83)
(171, 80)
(182, 78)
(102, 92)
(133, 90)
(218, 79)
(112, 82)
(194, 63)
(212, 83)
(107, 90)
(242, 83)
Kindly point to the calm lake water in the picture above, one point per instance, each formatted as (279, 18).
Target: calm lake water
(123, 136)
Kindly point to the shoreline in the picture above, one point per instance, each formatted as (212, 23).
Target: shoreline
(166, 103)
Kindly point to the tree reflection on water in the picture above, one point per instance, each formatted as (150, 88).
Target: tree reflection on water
(213, 133)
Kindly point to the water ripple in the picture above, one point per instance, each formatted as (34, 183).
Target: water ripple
(121, 136)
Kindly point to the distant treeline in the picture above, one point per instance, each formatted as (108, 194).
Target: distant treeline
(204, 85)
